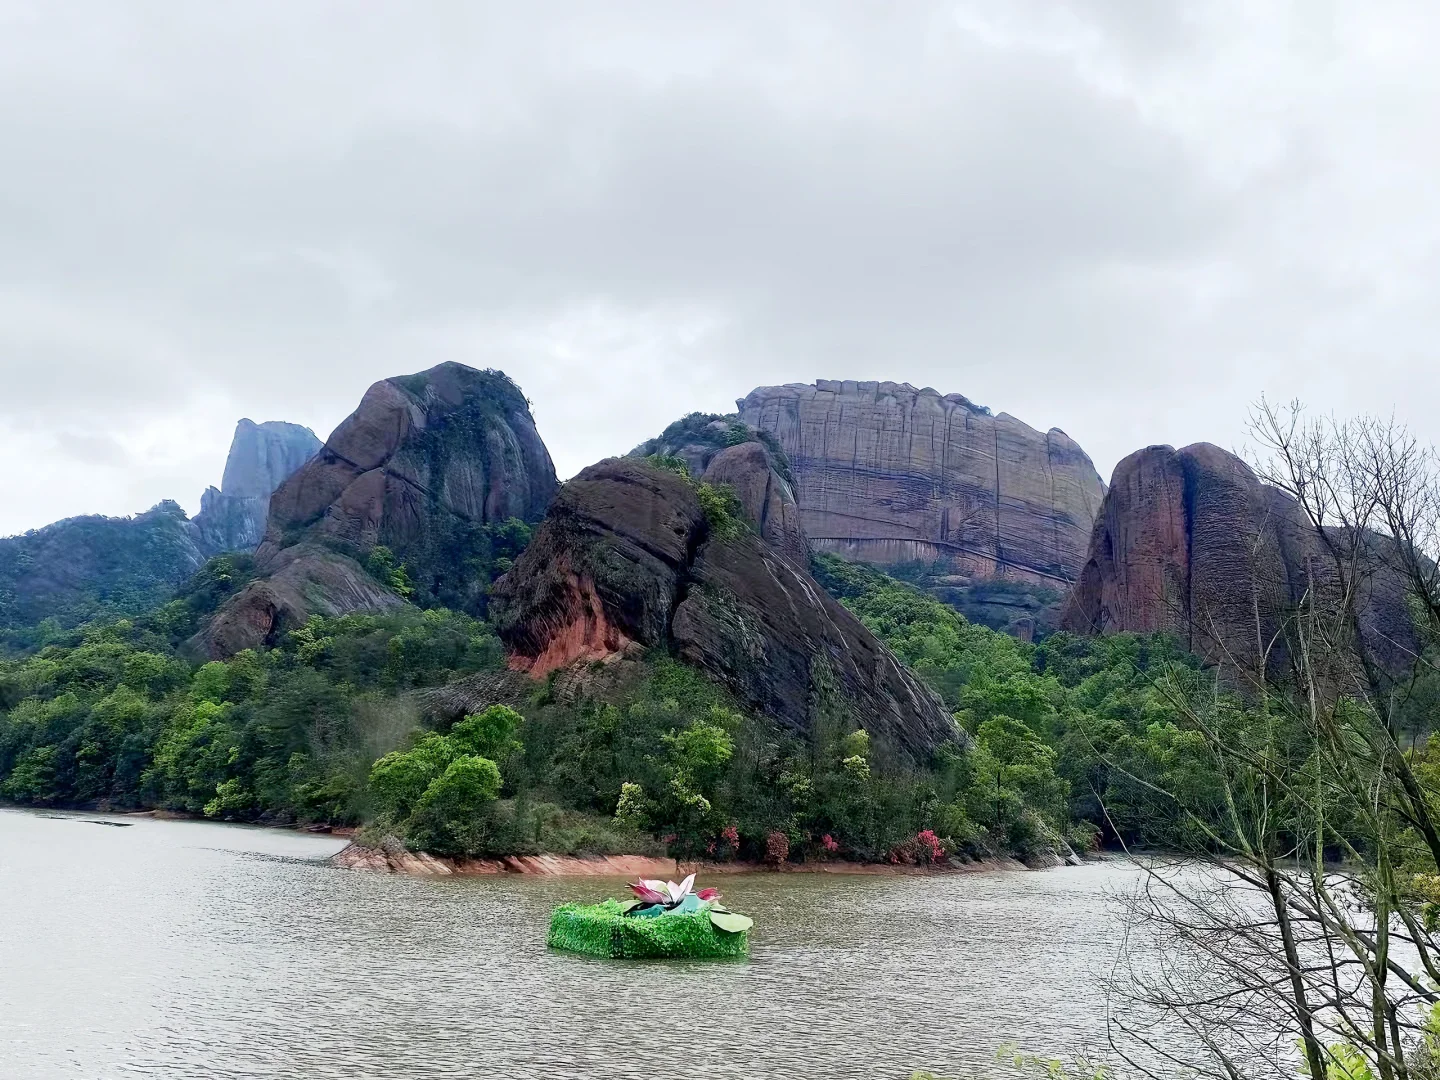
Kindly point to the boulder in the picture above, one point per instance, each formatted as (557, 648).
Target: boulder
(627, 561)
(765, 495)
(723, 451)
(302, 580)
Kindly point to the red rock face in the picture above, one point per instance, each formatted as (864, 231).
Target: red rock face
(577, 629)
(626, 556)
(1138, 571)
(1191, 542)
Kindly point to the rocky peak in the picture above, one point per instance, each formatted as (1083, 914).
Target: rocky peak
(1191, 542)
(262, 456)
(627, 560)
(429, 466)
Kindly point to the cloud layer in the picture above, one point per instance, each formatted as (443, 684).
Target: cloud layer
(1125, 225)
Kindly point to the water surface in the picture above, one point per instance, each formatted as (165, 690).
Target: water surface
(185, 949)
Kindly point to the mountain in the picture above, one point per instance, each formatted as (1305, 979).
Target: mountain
(633, 556)
(1191, 542)
(888, 474)
(262, 456)
(83, 568)
(431, 483)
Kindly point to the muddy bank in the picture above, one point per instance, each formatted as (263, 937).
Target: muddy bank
(394, 859)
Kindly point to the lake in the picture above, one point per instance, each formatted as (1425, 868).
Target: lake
(189, 949)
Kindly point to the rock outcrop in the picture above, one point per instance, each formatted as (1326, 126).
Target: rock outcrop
(721, 450)
(430, 467)
(1191, 542)
(887, 474)
(300, 581)
(627, 560)
(87, 567)
(262, 456)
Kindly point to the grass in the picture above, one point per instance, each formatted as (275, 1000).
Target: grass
(601, 930)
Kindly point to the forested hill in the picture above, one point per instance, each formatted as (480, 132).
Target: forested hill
(637, 756)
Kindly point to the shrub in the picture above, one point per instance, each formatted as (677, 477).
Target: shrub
(449, 817)
(724, 515)
(777, 848)
(490, 734)
(400, 778)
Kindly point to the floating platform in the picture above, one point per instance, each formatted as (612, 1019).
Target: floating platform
(605, 930)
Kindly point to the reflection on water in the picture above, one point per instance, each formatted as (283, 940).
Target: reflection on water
(182, 949)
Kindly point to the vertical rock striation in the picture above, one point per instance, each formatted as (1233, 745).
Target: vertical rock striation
(886, 473)
(262, 457)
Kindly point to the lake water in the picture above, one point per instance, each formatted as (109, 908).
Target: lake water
(185, 949)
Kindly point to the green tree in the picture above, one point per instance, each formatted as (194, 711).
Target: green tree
(450, 817)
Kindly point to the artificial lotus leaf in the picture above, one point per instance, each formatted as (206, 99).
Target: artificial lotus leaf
(730, 922)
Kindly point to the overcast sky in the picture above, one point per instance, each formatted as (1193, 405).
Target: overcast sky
(1099, 215)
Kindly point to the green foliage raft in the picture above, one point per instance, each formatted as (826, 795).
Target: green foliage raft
(602, 930)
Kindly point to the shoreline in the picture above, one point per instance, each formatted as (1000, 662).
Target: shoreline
(370, 859)
(394, 859)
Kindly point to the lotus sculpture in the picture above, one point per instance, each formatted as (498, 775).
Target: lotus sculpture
(655, 898)
(664, 919)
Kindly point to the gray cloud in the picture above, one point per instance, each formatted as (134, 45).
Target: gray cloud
(1126, 220)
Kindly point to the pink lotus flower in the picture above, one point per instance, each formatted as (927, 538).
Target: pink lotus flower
(668, 893)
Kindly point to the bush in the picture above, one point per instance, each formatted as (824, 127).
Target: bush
(450, 817)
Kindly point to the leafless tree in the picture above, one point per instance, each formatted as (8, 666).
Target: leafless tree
(1308, 914)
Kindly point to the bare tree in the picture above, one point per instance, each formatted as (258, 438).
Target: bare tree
(1307, 915)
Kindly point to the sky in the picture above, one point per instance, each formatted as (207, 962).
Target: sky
(1125, 219)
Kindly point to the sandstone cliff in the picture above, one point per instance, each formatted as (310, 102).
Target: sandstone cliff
(628, 560)
(435, 467)
(1191, 542)
(262, 456)
(888, 474)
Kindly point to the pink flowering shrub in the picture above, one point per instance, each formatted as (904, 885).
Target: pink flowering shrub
(928, 840)
(777, 848)
(922, 849)
(725, 846)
